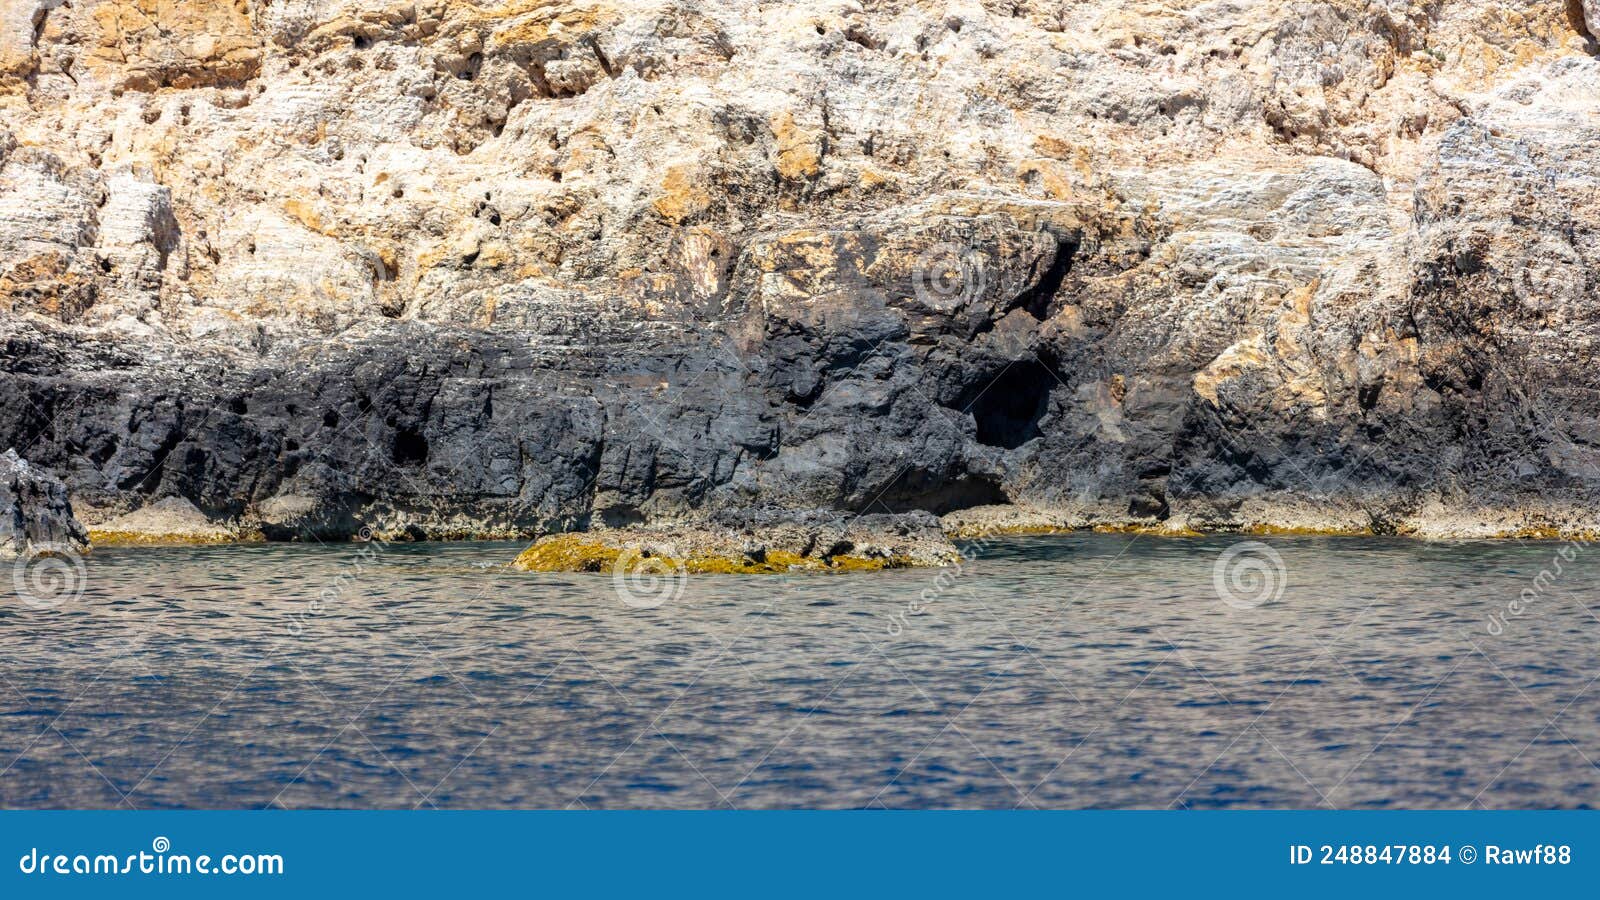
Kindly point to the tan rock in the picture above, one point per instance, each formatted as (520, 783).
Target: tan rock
(799, 149)
(172, 520)
(144, 45)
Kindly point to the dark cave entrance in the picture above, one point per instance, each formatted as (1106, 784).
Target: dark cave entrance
(918, 490)
(410, 447)
(1008, 411)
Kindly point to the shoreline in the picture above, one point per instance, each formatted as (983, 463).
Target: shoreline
(123, 540)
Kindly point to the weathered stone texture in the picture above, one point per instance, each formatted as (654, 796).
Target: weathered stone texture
(494, 267)
(35, 515)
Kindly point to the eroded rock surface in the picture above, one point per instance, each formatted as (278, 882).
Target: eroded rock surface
(35, 515)
(450, 268)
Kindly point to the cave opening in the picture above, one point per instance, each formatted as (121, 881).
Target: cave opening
(920, 490)
(1008, 411)
(410, 447)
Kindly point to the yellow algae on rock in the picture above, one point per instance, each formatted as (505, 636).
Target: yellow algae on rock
(766, 543)
(567, 553)
(170, 521)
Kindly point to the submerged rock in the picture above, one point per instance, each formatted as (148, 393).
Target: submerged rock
(760, 542)
(35, 515)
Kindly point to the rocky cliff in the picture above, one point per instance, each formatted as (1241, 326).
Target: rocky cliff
(35, 516)
(465, 267)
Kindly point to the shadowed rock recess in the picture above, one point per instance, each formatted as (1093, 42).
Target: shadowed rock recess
(455, 268)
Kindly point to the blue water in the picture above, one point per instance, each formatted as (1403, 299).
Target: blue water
(1075, 671)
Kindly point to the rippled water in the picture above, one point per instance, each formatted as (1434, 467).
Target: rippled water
(1076, 671)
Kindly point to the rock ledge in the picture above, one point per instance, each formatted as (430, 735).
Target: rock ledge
(753, 543)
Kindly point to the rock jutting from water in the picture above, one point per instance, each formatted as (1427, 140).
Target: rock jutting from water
(35, 516)
(741, 542)
(469, 268)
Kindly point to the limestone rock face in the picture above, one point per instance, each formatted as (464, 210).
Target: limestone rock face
(495, 267)
(35, 515)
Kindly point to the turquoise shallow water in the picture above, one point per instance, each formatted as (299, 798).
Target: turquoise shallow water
(1075, 671)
